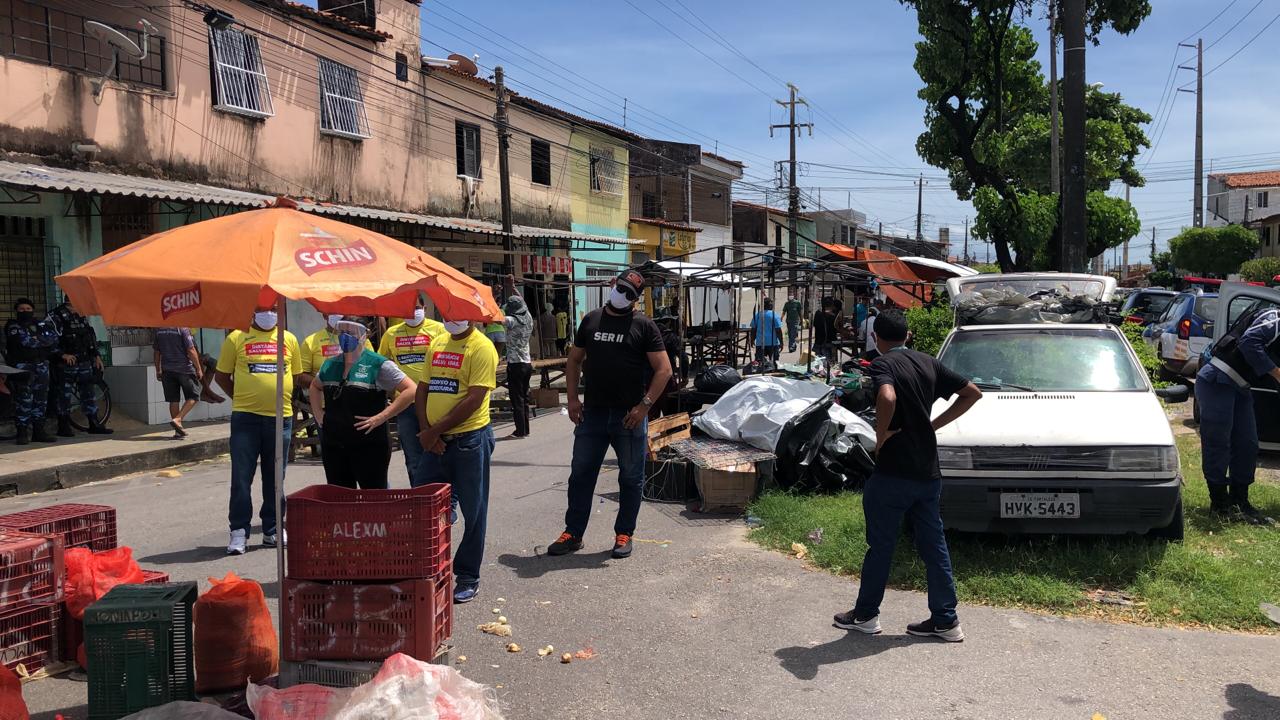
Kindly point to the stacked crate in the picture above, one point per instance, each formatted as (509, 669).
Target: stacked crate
(31, 575)
(368, 575)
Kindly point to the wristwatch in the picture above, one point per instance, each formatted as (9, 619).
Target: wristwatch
(645, 401)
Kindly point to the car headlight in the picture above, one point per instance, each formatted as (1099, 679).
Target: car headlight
(953, 458)
(1144, 459)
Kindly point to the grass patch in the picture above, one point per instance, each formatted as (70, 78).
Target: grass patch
(1215, 578)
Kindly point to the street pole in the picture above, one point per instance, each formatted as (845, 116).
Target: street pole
(920, 208)
(1124, 272)
(504, 171)
(1199, 192)
(793, 192)
(1055, 181)
(1153, 249)
(1073, 137)
(966, 241)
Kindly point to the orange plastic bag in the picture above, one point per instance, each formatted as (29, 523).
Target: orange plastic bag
(234, 637)
(91, 575)
(12, 706)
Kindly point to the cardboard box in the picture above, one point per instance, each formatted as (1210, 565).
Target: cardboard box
(727, 489)
(545, 397)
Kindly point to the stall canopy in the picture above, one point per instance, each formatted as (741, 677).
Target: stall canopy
(892, 269)
(695, 273)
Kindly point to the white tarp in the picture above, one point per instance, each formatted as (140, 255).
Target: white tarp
(755, 410)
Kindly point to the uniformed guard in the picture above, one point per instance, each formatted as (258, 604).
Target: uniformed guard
(76, 366)
(28, 345)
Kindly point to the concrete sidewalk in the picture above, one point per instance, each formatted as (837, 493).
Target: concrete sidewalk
(133, 448)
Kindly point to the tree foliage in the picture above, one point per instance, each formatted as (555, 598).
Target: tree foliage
(987, 123)
(1213, 251)
(1261, 270)
(929, 326)
(1162, 271)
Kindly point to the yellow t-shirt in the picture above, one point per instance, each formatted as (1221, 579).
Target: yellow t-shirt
(457, 366)
(249, 356)
(320, 346)
(562, 325)
(407, 346)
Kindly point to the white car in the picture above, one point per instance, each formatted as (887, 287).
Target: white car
(1069, 437)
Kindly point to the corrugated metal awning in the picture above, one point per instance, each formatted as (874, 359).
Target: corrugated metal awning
(43, 177)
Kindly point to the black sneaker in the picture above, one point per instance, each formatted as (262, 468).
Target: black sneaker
(622, 546)
(564, 545)
(928, 628)
(850, 621)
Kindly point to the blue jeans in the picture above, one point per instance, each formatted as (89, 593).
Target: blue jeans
(1228, 429)
(885, 500)
(464, 466)
(253, 445)
(407, 428)
(601, 428)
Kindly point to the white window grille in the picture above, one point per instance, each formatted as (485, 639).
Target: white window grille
(342, 102)
(240, 84)
(606, 173)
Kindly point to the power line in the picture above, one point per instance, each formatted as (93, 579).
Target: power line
(1233, 27)
(1206, 25)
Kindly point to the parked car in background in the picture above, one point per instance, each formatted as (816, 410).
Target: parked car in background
(1145, 306)
(1070, 436)
(1182, 333)
(1234, 301)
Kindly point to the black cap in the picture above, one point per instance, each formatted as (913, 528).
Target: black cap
(630, 283)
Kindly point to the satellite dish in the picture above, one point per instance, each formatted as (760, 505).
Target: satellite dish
(119, 42)
(464, 64)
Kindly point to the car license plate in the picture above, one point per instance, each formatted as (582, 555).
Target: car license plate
(1039, 505)
(1181, 349)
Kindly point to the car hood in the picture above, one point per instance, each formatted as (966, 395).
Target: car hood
(1058, 419)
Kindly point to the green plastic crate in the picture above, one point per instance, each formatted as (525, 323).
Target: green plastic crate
(138, 645)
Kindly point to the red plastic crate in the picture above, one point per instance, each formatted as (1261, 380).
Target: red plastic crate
(72, 634)
(29, 636)
(154, 576)
(337, 533)
(366, 622)
(30, 569)
(91, 526)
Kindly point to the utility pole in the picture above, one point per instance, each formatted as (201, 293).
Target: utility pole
(1153, 249)
(504, 171)
(1197, 212)
(966, 241)
(793, 192)
(920, 208)
(1055, 177)
(1073, 116)
(1124, 273)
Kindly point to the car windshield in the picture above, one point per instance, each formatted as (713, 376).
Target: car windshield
(1055, 358)
(1149, 303)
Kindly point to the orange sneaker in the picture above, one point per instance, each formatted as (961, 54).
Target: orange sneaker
(622, 546)
(564, 545)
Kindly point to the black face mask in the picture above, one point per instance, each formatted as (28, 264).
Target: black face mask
(26, 316)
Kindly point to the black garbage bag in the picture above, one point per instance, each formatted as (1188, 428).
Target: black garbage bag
(717, 379)
(800, 442)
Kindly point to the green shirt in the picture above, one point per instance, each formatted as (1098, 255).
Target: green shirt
(791, 311)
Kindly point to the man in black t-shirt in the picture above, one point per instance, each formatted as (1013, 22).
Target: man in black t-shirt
(907, 480)
(626, 369)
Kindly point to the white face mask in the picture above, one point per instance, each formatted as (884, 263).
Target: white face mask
(416, 320)
(265, 319)
(457, 327)
(619, 300)
(333, 320)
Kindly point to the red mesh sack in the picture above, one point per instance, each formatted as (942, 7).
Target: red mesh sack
(235, 640)
(91, 575)
(12, 706)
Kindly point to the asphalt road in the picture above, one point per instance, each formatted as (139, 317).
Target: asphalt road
(704, 624)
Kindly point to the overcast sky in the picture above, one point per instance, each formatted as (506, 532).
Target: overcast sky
(678, 64)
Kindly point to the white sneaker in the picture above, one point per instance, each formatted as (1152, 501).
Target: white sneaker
(270, 540)
(236, 545)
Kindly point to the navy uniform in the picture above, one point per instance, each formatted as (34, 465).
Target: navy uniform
(78, 340)
(28, 345)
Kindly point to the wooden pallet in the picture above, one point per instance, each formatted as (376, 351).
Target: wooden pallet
(666, 430)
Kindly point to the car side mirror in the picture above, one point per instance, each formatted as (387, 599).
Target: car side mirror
(1174, 393)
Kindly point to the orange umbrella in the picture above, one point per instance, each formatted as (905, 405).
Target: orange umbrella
(215, 273)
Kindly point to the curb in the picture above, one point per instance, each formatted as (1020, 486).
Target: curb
(87, 471)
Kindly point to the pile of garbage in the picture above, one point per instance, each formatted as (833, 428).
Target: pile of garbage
(1006, 306)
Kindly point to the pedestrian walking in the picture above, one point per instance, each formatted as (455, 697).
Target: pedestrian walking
(179, 370)
(791, 311)
(349, 402)
(29, 343)
(626, 370)
(867, 332)
(406, 344)
(519, 324)
(80, 366)
(453, 410)
(907, 481)
(766, 332)
(246, 371)
(562, 328)
(1242, 359)
(546, 333)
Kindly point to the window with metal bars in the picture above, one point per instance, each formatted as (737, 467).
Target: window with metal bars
(35, 32)
(467, 138)
(606, 173)
(342, 102)
(239, 82)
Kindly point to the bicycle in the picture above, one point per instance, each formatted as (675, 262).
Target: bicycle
(101, 391)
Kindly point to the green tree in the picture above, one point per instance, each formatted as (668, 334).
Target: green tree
(1261, 270)
(986, 119)
(1162, 271)
(1213, 251)
(929, 326)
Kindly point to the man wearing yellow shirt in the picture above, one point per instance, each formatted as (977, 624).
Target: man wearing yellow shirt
(452, 405)
(318, 347)
(246, 371)
(406, 345)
